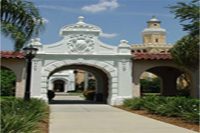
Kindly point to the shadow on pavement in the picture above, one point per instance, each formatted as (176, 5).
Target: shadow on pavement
(73, 102)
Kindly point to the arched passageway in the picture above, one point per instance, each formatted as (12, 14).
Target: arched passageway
(8, 82)
(150, 84)
(81, 48)
(168, 77)
(59, 85)
(169, 74)
(15, 62)
(101, 90)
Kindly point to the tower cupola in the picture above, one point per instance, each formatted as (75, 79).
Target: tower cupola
(154, 34)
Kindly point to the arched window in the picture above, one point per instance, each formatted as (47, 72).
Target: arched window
(156, 40)
(59, 86)
(8, 82)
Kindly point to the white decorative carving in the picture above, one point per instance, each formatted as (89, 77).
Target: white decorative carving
(80, 43)
(124, 65)
(35, 65)
(80, 26)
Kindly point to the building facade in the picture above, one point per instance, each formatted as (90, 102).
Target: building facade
(117, 69)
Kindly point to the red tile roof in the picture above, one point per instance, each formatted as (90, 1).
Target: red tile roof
(152, 56)
(11, 54)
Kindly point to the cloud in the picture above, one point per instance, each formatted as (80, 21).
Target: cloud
(102, 5)
(107, 35)
(58, 8)
(45, 20)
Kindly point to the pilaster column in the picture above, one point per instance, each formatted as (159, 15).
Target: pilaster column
(169, 85)
(86, 81)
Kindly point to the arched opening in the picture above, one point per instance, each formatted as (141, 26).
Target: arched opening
(150, 84)
(84, 80)
(183, 84)
(156, 40)
(8, 82)
(96, 87)
(59, 85)
(165, 80)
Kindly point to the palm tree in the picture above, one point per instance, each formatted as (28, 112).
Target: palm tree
(20, 20)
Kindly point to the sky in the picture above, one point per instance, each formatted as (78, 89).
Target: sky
(118, 19)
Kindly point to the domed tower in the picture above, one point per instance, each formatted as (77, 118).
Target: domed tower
(154, 34)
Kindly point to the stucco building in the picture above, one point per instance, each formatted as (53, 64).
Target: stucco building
(117, 69)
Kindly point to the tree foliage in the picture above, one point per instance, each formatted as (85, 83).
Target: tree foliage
(188, 14)
(152, 85)
(186, 51)
(8, 80)
(19, 20)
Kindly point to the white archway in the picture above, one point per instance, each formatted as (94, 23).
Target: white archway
(51, 83)
(108, 69)
(67, 77)
(80, 46)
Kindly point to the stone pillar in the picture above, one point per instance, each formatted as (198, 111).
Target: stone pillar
(20, 83)
(50, 86)
(136, 73)
(136, 90)
(124, 70)
(85, 81)
(66, 85)
(36, 78)
(195, 84)
(19, 91)
(168, 85)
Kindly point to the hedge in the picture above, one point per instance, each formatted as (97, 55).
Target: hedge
(185, 108)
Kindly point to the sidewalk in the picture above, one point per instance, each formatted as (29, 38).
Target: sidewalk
(101, 118)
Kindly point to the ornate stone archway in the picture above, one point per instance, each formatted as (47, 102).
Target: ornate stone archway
(80, 46)
(167, 70)
(17, 65)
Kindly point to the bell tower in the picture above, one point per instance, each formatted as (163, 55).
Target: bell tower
(154, 34)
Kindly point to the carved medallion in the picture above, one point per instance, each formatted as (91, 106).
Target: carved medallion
(81, 44)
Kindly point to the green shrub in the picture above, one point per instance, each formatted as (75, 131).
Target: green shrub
(128, 102)
(185, 108)
(171, 106)
(190, 110)
(150, 86)
(18, 116)
(7, 81)
(151, 103)
(135, 104)
(89, 94)
(191, 116)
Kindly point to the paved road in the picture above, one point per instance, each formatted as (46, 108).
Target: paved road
(101, 118)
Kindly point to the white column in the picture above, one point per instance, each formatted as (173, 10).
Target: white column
(66, 85)
(125, 78)
(86, 81)
(36, 77)
(136, 90)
